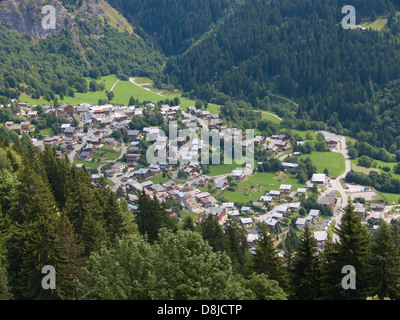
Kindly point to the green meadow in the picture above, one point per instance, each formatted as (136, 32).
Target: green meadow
(333, 161)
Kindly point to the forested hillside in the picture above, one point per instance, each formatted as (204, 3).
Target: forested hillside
(299, 49)
(173, 24)
(58, 64)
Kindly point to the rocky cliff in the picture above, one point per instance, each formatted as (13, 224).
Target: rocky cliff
(25, 16)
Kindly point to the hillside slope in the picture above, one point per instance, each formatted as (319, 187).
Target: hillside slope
(91, 39)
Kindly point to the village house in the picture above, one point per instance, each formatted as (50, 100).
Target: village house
(238, 175)
(319, 179)
(328, 200)
(286, 188)
(221, 184)
(276, 194)
(301, 223)
(220, 214)
(247, 222)
(321, 237)
(377, 206)
(291, 167)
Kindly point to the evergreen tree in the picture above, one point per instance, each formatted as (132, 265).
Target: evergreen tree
(212, 232)
(5, 292)
(237, 247)
(93, 235)
(352, 249)
(267, 260)
(386, 263)
(33, 198)
(31, 246)
(306, 268)
(151, 216)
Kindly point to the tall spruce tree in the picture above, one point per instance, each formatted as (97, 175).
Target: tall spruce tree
(305, 273)
(151, 216)
(267, 260)
(353, 249)
(386, 264)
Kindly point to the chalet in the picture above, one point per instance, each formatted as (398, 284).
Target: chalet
(253, 237)
(26, 125)
(95, 141)
(377, 206)
(86, 155)
(220, 214)
(9, 124)
(109, 141)
(70, 131)
(315, 214)
(33, 114)
(221, 184)
(321, 237)
(283, 208)
(233, 213)
(190, 172)
(142, 173)
(247, 209)
(154, 169)
(201, 182)
(266, 199)
(247, 222)
(359, 209)
(205, 202)
(96, 177)
(287, 166)
(134, 134)
(295, 206)
(286, 188)
(277, 216)
(319, 179)
(82, 111)
(328, 200)
(301, 223)
(276, 194)
(259, 205)
(238, 175)
(272, 222)
(301, 191)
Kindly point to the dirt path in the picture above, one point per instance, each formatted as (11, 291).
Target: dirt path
(114, 85)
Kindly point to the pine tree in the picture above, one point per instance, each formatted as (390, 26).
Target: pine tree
(73, 251)
(267, 260)
(33, 198)
(352, 250)
(114, 221)
(93, 234)
(33, 245)
(237, 247)
(386, 264)
(5, 291)
(306, 268)
(212, 232)
(151, 216)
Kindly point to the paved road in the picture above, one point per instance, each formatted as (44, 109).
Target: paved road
(337, 186)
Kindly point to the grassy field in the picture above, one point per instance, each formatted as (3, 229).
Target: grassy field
(160, 179)
(46, 132)
(253, 187)
(333, 161)
(89, 164)
(270, 117)
(379, 24)
(106, 152)
(302, 134)
(123, 91)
